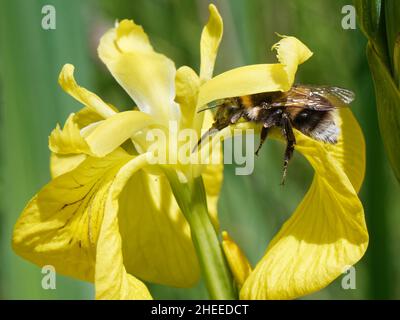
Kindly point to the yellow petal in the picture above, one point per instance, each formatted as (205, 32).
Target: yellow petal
(349, 152)
(72, 225)
(68, 145)
(60, 225)
(238, 263)
(69, 139)
(156, 240)
(147, 76)
(212, 178)
(87, 116)
(187, 87)
(63, 163)
(327, 232)
(260, 77)
(111, 277)
(87, 98)
(114, 131)
(209, 43)
(213, 175)
(291, 52)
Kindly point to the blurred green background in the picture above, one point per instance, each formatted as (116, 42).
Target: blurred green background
(252, 207)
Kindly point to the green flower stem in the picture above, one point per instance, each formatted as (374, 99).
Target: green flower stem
(191, 199)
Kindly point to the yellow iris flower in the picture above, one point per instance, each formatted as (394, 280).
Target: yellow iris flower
(107, 217)
(110, 218)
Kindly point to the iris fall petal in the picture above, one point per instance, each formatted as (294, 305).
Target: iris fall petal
(327, 232)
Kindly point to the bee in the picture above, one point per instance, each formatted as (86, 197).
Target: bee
(310, 109)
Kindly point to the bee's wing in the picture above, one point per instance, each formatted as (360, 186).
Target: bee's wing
(345, 96)
(303, 104)
(322, 98)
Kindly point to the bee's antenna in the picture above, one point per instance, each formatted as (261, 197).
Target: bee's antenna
(209, 106)
(208, 133)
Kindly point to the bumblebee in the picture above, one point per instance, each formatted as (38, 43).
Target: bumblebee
(310, 109)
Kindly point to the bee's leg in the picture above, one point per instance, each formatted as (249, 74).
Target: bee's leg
(210, 132)
(270, 120)
(287, 131)
(263, 136)
(236, 117)
(218, 125)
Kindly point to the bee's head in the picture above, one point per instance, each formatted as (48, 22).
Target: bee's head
(225, 112)
(227, 109)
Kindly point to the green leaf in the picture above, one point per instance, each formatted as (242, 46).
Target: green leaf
(371, 17)
(388, 105)
(392, 18)
(396, 61)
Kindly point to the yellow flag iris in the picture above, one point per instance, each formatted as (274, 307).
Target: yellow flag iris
(109, 217)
